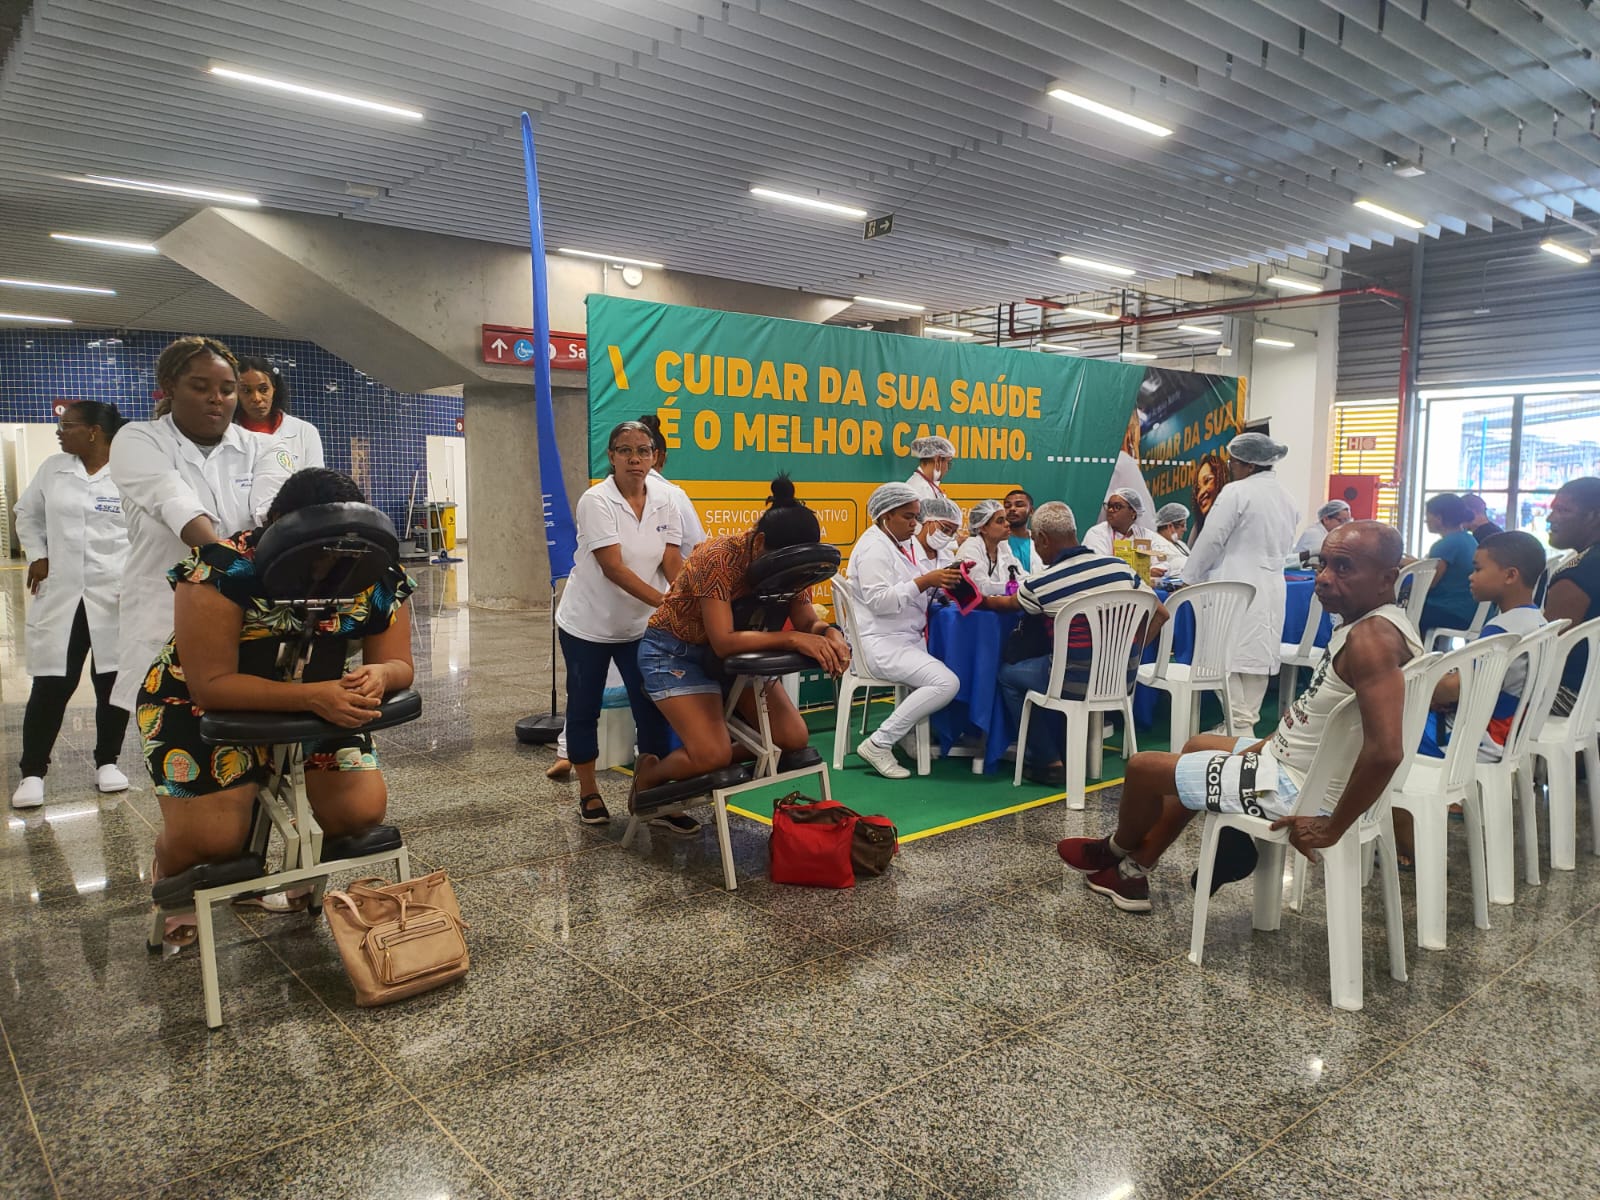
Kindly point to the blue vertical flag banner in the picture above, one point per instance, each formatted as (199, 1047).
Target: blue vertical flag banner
(561, 532)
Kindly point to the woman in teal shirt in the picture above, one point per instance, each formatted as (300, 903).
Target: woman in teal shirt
(1450, 604)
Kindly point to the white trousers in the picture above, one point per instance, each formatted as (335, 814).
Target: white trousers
(1248, 692)
(905, 660)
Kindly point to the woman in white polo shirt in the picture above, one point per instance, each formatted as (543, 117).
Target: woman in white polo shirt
(629, 534)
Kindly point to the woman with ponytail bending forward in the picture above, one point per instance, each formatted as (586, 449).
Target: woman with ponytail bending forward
(698, 613)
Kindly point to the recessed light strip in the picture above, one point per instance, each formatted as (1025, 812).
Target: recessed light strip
(1091, 264)
(56, 287)
(172, 189)
(1562, 250)
(1290, 284)
(612, 258)
(297, 89)
(37, 320)
(827, 206)
(80, 239)
(1389, 214)
(1111, 114)
(900, 304)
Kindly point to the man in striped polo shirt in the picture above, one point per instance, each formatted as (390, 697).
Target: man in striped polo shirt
(1063, 571)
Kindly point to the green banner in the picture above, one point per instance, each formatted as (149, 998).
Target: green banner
(741, 398)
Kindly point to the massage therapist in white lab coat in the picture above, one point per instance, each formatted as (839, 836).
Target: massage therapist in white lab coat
(187, 477)
(1247, 534)
(69, 521)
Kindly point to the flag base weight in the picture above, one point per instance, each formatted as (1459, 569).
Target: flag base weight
(540, 730)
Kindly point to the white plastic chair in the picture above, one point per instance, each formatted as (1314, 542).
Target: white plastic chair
(1560, 742)
(1419, 575)
(1550, 563)
(1342, 862)
(1509, 781)
(1294, 655)
(1434, 784)
(844, 601)
(1217, 608)
(1480, 617)
(1114, 618)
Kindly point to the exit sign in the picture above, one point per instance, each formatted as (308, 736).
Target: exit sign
(878, 226)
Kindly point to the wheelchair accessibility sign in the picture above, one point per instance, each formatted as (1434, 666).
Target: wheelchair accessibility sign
(523, 349)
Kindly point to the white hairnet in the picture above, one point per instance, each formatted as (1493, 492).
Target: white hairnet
(1171, 514)
(982, 513)
(1257, 449)
(1135, 501)
(940, 508)
(933, 447)
(890, 497)
(1333, 508)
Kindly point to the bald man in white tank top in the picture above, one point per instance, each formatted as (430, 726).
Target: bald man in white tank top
(1366, 657)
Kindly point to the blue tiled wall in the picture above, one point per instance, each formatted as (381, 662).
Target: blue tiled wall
(39, 367)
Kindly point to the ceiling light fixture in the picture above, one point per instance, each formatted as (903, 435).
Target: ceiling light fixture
(827, 206)
(1057, 92)
(5, 316)
(1290, 284)
(56, 287)
(945, 331)
(612, 258)
(1389, 214)
(297, 89)
(1058, 348)
(172, 189)
(1275, 343)
(80, 239)
(1201, 331)
(1562, 250)
(1141, 354)
(900, 304)
(1089, 314)
(1090, 264)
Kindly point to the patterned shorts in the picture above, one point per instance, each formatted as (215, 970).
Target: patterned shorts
(1220, 782)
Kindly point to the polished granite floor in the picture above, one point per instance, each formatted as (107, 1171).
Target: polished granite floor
(975, 1024)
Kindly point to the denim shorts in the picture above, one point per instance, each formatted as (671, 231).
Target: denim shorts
(673, 667)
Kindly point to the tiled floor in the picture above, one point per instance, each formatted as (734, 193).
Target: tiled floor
(975, 1024)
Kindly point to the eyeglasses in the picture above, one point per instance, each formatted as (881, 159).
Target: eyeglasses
(71, 425)
(634, 451)
(1117, 506)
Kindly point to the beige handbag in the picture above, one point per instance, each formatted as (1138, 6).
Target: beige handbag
(398, 939)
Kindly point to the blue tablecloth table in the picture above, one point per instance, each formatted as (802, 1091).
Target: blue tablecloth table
(970, 646)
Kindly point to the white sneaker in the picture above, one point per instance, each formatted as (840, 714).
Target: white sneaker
(109, 779)
(29, 793)
(882, 760)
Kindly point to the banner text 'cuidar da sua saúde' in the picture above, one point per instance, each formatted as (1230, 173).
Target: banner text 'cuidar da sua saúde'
(742, 398)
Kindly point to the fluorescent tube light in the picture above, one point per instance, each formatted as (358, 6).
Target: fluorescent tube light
(842, 210)
(1141, 354)
(1200, 330)
(1562, 250)
(56, 287)
(900, 304)
(1290, 284)
(1057, 348)
(1057, 92)
(80, 239)
(5, 316)
(1090, 264)
(280, 85)
(172, 189)
(1389, 214)
(1089, 314)
(612, 258)
(945, 331)
(1275, 343)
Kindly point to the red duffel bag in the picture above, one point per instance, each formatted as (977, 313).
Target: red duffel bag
(811, 842)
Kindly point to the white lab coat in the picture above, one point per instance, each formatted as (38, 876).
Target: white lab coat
(925, 489)
(693, 532)
(927, 560)
(890, 610)
(75, 520)
(1126, 474)
(1100, 539)
(166, 482)
(300, 439)
(1247, 536)
(990, 581)
(1310, 541)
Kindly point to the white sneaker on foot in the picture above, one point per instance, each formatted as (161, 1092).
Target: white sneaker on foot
(882, 760)
(29, 793)
(109, 779)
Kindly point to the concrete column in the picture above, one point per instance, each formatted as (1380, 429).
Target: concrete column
(510, 569)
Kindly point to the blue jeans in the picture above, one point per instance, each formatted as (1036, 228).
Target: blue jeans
(1047, 731)
(587, 666)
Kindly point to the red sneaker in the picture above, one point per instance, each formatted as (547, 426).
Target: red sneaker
(1086, 854)
(1130, 893)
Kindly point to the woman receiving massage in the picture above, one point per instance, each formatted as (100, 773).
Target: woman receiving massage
(697, 615)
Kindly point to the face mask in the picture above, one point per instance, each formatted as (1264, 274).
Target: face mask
(937, 474)
(939, 539)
